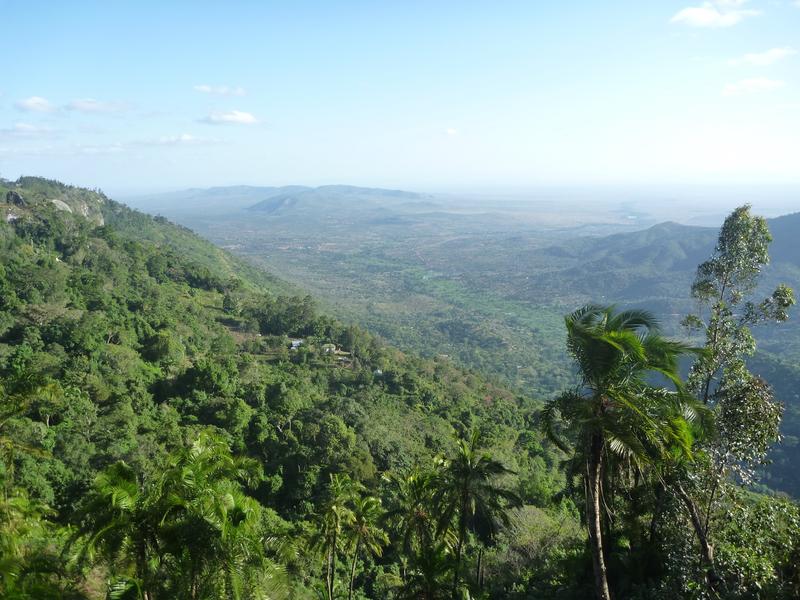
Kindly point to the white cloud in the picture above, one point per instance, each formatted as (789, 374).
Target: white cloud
(233, 117)
(763, 59)
(92, 106)
(26, 130)
(184, 139)
(752, 86)
(220, 90)
(35, 104)
(115, 148)
(176, 140)
(721, 13)
(451, 131)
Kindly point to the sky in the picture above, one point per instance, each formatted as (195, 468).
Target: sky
(431, 95)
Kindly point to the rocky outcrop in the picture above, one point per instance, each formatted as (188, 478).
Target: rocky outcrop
(14, 198)
(61, 205)
(32, 193)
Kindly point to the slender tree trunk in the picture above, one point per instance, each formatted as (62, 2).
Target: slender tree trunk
(594, 521)
(329, 568)
(193, 581)
(479, 570)
(353, 569)
(328, 575)
(141, 571)
(706, 548)
(461, 533)
(656, 513)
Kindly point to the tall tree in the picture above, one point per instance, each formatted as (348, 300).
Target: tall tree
(191, 531)
(469, 496)
(746, 417)
(118, 522)
(412, 510)
(15, 400)
(616, 412)
(335, 516)
(365, 532)
(208, 524)
(29, 548)
(425, 557)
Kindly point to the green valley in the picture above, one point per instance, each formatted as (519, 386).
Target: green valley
(178, 422)
(486, 284)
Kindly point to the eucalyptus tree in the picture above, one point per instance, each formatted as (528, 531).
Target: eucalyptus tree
(746, 416)
(616, 412)
(365, 532)
(469, 497)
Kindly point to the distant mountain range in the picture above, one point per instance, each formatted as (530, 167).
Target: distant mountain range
(487, 283)
(281, 199)
(333, 197)
(651, 266)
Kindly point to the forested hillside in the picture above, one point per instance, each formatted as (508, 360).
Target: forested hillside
(176, 424)
(488, 284)
(124, 341)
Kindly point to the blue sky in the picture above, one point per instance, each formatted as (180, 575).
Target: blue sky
(435, 95)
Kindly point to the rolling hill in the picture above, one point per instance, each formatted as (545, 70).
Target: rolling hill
(488, 289)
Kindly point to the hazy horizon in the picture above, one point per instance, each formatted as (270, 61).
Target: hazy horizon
(446, 97)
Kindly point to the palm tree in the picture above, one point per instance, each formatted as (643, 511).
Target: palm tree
(365, 532)
(427, 580)
(616, 412)
(14, 403)
(208, 523)
(335, 516)
(426, 558)
(412, 511)
(26, 537)
(468, 495)
(117, 521)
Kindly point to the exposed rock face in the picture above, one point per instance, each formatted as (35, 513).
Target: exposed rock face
(61, 205)
(83, 203)
(14, 198)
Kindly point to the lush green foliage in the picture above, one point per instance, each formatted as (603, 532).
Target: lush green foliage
(176, 424)
(123, 344)
(486, 282)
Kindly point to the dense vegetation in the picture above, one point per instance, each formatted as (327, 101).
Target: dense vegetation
(487, 283)
(173, 425)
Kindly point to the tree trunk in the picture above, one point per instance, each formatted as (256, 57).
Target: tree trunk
(706, 548)
(594, 519)
(479, 569)
(141, 571)
(656, 514)
(457, 572)
(193, 591)
(328, 575)
(353, 569)
(329, 567)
